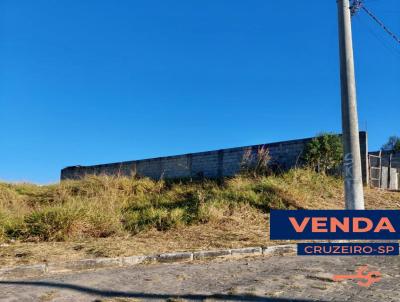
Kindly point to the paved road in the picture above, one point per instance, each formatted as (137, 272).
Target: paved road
(283, 278)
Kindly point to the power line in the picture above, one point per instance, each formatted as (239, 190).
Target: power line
(358, 4)
(396, 38)
(373, 32)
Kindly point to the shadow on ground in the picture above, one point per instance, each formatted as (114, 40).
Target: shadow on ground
(147, 296)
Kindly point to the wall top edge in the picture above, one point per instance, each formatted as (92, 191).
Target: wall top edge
(202, 153)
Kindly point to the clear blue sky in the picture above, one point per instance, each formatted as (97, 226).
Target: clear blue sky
(88, 82)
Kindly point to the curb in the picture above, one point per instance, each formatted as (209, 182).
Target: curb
(94, 263)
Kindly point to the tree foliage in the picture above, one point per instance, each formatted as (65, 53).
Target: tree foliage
(393, 144)
(324, 153)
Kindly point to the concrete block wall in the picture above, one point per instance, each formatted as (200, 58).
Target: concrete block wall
(210, 164)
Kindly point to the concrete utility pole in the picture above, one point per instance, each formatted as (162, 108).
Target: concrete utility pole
(354, 195)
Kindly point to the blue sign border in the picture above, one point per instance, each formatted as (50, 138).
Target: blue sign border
(282, 229)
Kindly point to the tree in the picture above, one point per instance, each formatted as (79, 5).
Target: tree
(324, 153)
(393, 144)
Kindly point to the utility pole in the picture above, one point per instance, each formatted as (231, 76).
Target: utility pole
(353, 186)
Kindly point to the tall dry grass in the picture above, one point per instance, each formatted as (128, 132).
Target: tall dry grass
(104, 206)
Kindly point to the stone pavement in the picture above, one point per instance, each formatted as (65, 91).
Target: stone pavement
(279, 278)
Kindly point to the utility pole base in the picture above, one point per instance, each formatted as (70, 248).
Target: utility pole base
(354, 195)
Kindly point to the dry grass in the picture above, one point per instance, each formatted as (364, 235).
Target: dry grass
(108, 216)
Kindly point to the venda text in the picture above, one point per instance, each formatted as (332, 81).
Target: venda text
(334, 224)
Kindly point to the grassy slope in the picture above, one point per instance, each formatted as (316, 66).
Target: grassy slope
(108, 216)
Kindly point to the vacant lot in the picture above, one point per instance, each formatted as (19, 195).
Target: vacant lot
(112, 216)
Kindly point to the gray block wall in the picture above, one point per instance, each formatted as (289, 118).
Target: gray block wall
(210, 164)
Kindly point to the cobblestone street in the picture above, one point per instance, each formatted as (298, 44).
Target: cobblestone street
(282, 278)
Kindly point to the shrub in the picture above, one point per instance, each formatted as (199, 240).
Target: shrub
(324, 153)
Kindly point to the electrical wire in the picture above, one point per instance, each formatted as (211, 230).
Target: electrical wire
(392, 34)
(356, 5)
(393, 51)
